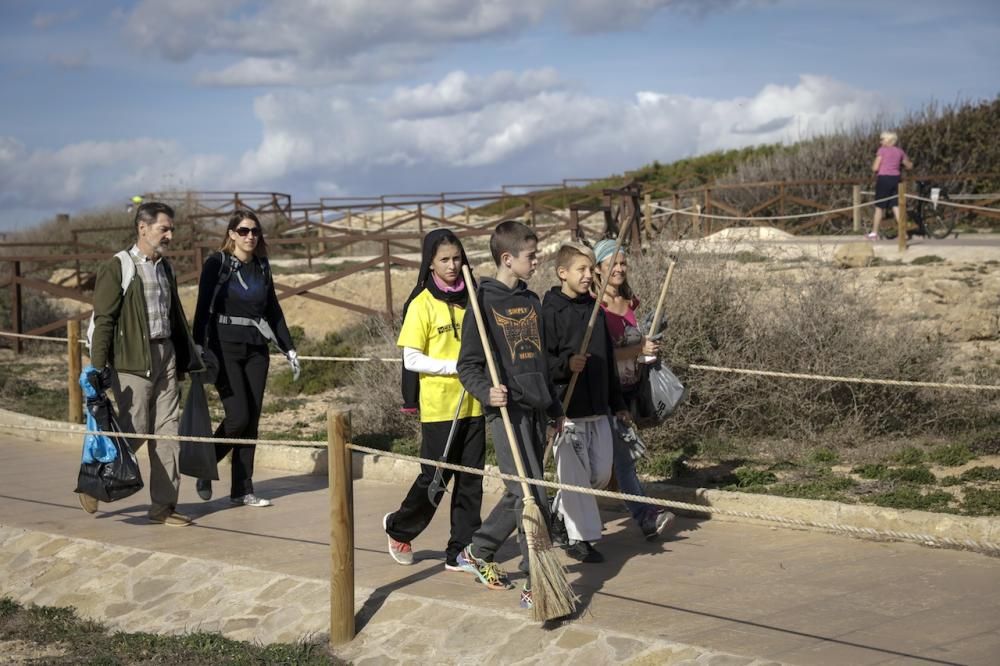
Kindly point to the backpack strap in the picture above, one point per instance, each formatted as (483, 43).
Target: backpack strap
(128, 272)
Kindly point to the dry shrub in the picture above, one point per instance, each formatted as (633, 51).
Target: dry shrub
(811, 320)
(376, 386)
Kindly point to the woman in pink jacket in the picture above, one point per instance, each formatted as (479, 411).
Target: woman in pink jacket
(887, 166)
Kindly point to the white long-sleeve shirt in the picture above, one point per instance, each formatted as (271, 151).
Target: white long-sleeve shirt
(416, 361)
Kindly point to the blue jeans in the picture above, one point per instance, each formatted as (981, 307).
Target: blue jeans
(628, 479)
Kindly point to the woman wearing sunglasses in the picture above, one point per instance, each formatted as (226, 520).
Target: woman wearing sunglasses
(237, 315)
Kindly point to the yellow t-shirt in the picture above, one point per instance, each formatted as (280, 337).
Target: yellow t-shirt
(431, 329)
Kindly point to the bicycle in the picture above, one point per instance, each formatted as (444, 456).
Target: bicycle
(926, 219)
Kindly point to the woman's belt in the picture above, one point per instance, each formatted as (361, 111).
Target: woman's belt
(260, 324)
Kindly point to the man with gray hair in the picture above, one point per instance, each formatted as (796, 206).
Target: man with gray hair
(141, 347)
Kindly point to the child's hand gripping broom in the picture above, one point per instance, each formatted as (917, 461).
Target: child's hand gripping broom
(552, 596)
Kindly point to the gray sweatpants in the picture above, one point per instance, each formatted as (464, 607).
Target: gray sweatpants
(152, 404)
(529, 427)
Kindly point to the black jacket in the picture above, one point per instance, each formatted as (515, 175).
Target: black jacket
(565, 321)
(514, 326)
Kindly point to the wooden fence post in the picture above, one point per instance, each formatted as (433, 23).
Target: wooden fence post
(676, 217)
(388, 277)
(15, 306)
(902, 216)
(856, 211)
(647, 214)
(76, 251)
(341, 527)
(697, 221)
(420, 218)
(444, 214)
(708, 205)
(75, 407)
(468, 216)
(309, 253)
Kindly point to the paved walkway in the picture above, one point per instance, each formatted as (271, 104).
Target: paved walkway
(789, 596)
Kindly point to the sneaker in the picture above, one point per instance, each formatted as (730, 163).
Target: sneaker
(401, 551)
(558, 532)
(204, 488)
(526, 601)
(656, 522)
(171, 519)
(872, 237)
(88, 503)
(452, 565)
(250, 500)
(582, 551)
(488, 573)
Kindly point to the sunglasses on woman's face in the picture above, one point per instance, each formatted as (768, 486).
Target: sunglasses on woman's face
(243, 231)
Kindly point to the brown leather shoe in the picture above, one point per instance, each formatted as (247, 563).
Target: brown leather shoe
(88, 503)
(171, 518)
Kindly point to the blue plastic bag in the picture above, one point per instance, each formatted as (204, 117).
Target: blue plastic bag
(96, 448)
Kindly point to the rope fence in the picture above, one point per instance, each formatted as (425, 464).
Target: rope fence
(953, 204)
(689, 366)
(737, 218)
(866, 532)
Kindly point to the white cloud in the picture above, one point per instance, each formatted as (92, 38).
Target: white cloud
(92, 172)
(318, 41)
(321, 42)
(457, 133)
(71, 59)
(46, 20)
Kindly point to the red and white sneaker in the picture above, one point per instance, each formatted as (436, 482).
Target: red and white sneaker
(401, 551)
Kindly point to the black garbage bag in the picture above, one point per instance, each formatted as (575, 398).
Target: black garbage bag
(197, 459)
(115, 480)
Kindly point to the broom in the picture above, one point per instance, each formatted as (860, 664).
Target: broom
(551, 594)
(658, 314)
(588, 334)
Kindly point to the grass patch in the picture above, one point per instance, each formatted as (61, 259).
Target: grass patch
(909, 455)
(951, 455)
(89, 642)
(748, 476)
(747, 257)
(823, 456)
(910, 497)
(827, 487)
(282, 404)
(981, 502)
(318, 376)
(25, 396)
(981, 473)
(950, 481)
(927, 259)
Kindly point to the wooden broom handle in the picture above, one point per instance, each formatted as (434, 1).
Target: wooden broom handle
(663, 297)
(593, 315)
(495, 378)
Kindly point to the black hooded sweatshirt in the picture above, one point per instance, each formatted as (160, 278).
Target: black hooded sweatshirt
(565, 322)
(513, 322)
(411, 380)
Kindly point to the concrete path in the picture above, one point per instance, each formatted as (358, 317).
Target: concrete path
(789, 596)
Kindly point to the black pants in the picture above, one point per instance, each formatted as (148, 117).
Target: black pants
(416, 511)
(242, 375)
(505, 518)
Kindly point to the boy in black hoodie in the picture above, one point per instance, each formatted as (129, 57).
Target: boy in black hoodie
(584, 452)
(512, 315)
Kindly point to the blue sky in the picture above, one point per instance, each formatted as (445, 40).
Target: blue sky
(106, 99)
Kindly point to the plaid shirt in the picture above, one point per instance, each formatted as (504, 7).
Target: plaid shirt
(156, 288)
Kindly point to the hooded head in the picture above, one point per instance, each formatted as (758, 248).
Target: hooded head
(456, 294)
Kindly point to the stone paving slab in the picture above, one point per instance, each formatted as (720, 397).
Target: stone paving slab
(765, 593)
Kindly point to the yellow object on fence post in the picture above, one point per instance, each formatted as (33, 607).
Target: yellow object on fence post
(341, 527)
(901, 220)
(856, 202)
(75, 411)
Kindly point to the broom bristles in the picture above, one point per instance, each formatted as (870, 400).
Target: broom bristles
(551, 595)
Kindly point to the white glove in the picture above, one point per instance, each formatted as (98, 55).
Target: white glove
(201, 352)
(293, 360)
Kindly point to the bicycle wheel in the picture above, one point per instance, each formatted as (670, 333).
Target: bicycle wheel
(941, 222)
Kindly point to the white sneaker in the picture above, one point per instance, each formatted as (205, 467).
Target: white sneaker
(250, 500)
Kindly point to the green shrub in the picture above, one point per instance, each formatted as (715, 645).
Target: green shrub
(823, 456)
(950, 481)
(926, 259)
(749, 476)
(951, 455)
(909, 455)
(981, 502)
(981, 474)
(871, 471)
(910, 497)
